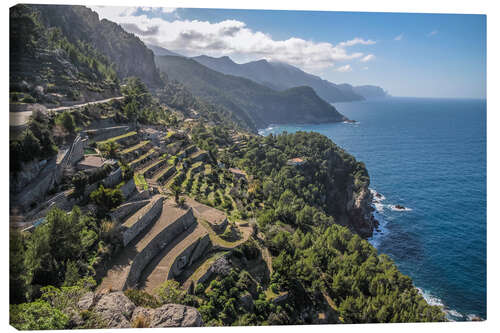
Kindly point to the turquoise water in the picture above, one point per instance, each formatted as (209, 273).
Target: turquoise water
(428, 155)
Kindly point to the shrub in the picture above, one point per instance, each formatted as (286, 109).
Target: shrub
(170, 292)
(106, 198)
(140, 322)
(142, 298)
(67, 121)
(38, 315)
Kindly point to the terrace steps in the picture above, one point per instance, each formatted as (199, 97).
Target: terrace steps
(117, 274)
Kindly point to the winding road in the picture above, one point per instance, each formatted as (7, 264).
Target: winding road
(20, 118)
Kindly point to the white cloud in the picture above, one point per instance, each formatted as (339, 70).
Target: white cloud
(367, 58)
(432, 33)
(231, 37)
(399, 37)
(365, 68)
(346, 68)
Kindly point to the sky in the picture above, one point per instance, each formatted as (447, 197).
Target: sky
(411, 55)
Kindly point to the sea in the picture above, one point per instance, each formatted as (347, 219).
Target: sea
(428, 156)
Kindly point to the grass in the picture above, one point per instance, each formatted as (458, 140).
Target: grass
(206, 265)
(140, 181)
(140, 158)
(89, 151)
(137, 146)
(150, 166)
(126, 135)
(216, 239)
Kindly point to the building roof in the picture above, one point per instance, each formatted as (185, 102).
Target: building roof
(93, 161)
(296, 160)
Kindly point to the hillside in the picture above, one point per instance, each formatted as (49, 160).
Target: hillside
(258, 105)
(129, 54)
(161, 209)
(280, 76)
(46, 67)
(371, 92)
(64, 54)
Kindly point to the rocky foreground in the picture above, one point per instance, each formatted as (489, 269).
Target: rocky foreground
(115, 310)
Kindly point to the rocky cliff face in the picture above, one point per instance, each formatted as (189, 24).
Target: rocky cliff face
(115, 310)
(129, 54)
(348, 196)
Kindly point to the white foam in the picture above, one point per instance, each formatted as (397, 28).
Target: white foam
(395, 209)
(378, 206)
(377, 197)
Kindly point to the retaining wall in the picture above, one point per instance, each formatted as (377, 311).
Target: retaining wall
(128, 188)
(188, 256)
(127, 209)
(142, 163)
(151, 171)
(202, 156)
(163, 239)
(167, 174)
(151, 215)
(101, 134)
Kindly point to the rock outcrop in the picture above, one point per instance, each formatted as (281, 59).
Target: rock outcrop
(115, 310)
(169, 315)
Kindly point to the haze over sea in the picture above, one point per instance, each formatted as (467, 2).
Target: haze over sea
(428, 155)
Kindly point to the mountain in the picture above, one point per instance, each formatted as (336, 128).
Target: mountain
(256, 104)
(71, 53)
(371, 92)
(280, 76)
(161, 51)
(49, 67)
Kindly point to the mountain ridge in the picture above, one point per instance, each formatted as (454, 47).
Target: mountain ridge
(247, 98)
(280, 76)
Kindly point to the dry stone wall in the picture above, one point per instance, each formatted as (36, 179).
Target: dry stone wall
(190, 254)
(101, 134)
(145, 220)
(163, 239)
(122, 211)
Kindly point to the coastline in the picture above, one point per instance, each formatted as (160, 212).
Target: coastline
(382, 232)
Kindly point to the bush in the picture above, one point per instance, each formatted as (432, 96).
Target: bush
(142, 298)
(106, 198)
(170, 292)
(199, 289)
(67, 121)
(39, 315)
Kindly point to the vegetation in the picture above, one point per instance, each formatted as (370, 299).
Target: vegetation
(46, 51)
(297, 260)
(36, 142)
(106, 198)
(249, 101)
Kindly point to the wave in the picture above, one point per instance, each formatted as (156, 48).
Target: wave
(398, 209)
(379, 206)
(451, 314)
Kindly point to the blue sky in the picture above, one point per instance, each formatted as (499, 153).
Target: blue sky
(421, 55)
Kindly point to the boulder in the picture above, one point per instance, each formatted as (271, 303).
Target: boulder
(175, 315)
(86, 301)
(115, 309)
(221, 266)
